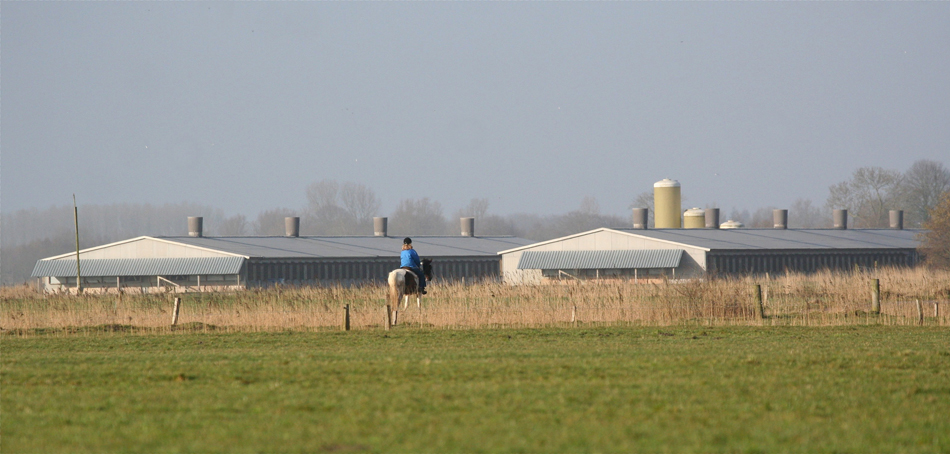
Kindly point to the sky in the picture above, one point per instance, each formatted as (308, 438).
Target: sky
(532, 105)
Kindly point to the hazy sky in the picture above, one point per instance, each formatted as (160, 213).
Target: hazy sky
(531, 105)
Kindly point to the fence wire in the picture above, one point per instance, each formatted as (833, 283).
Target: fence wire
(442, 314)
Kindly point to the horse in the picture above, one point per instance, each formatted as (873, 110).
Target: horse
(403, 282)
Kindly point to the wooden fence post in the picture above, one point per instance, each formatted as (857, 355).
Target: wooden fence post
(936, 310)
(388, 323)
(758, 301)
(346, 317)
(876, 296)
(920, 313)
(574, 315)
(176, 311)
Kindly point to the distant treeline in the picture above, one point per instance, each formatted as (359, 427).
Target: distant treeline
(333, 208)
(29, 235)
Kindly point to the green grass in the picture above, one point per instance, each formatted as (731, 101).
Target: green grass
(744, 389)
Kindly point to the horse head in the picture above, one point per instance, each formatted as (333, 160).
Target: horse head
(427, 269)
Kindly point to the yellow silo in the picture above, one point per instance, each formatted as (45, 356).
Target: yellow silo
(694, 218)
(666, 204)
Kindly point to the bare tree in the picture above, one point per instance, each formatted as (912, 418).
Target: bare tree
(418, 217)
(360, 202)
(761, 218)
(233, 226)
(491, 224)
(323, 214)
(322, 193)
(935, 246)
(485, 224)
(586, 217)
(921, 188)
(804, 215)
(17, 262)
(740, 216)
(271, 222)
(30, 235)
(589, 206)
(476, 208)
(868, 196)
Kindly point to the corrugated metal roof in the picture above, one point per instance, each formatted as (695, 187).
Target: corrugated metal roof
(140, 267)
(623, 259)
(353, 246)
(744, 239)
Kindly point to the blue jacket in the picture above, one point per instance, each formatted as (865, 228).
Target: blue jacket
(410, 258)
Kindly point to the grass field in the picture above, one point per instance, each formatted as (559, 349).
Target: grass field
(607, 389)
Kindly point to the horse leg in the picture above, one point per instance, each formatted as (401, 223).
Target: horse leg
(395, 315)
(419, 300)
(405, 301)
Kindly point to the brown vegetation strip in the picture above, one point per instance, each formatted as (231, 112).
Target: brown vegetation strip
(794, 299)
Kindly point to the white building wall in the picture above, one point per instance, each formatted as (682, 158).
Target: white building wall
(512, 275)
(693, 263)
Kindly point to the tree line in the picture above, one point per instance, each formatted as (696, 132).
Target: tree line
(334, 208)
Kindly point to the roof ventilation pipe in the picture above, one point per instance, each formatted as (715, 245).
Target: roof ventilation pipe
(468, 226)
(840, 218)
(641, 216)
(380, 226)
(194, 226)
(712, 218)
(730, 224)
(292, 226)
(780, 219)
(897, 219)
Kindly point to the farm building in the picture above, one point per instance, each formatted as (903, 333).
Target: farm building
(199, 263)
(638, 254)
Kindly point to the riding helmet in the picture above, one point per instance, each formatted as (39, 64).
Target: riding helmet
(407, 240)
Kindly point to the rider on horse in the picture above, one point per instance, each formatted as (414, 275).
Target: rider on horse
(410, 260)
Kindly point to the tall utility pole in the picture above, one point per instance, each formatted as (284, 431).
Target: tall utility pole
(76, 221)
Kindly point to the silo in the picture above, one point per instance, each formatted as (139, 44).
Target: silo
(694, 218)
(666, 204)
(730, 224)
(712, 218)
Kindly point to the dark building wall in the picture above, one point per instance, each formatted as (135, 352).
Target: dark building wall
(263, 272)
(455, 269)
(775, 262)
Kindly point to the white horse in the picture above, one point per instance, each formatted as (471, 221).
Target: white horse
(402, 283)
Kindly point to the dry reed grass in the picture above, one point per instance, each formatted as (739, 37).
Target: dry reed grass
(816, 300)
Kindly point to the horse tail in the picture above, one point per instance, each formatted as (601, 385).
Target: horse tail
(395, 288)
